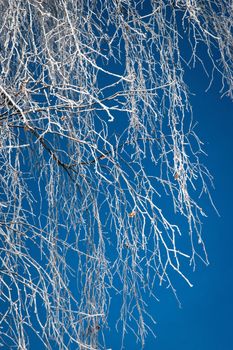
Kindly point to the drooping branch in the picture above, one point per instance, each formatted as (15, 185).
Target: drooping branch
(97, 91)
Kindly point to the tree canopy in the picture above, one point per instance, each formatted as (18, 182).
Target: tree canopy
(101, 167)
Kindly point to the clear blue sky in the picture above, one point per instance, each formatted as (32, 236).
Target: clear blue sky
(206, 319)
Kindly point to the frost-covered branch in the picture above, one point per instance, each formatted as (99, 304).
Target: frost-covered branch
(99, 160)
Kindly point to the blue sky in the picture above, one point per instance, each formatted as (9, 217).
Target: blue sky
(205, 320)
